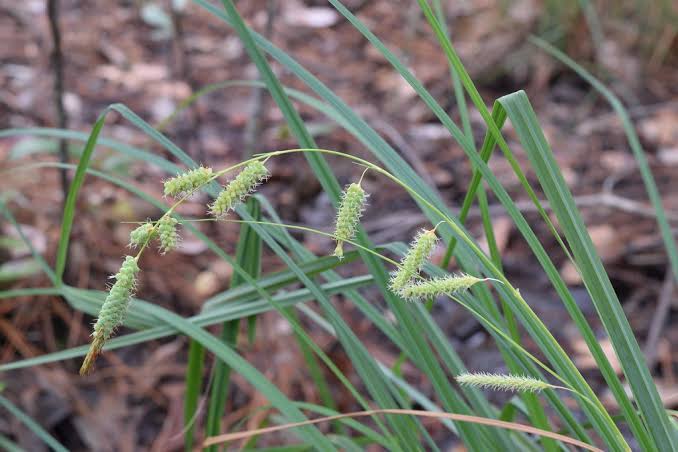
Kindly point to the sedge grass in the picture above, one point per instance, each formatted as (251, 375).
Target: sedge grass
(399, 431)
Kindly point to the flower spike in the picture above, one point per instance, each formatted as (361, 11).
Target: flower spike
(348, 216)
(499, 382)
(113, 311)
(188, 182)
(435, 287)
(141, 235)
(167, 230)
(414, 260)
(237, 190)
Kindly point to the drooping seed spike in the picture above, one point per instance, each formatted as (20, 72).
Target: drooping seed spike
(167, 231)
(348, 216)
(237, 190)
(142, 234)
(500, 382)
(425, 289)
(113, 310)
(187, 182)
(414, 259)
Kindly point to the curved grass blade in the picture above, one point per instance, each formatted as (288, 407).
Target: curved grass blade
(37, 256)
(234, 310)
(331, 186)
(32, 425)
(593, 273)
(634, 143)
(248, 256)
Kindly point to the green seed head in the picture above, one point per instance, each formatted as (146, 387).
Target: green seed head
(167, 231)
(435, 287)
(142, 235)
(348, 217)
(413, 261)
(498, 382)
(187, 182)
(113, 310)
(237, 190)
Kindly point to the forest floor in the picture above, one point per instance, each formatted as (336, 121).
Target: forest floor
(122, 52)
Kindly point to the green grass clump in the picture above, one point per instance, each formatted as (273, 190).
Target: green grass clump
(409, 327)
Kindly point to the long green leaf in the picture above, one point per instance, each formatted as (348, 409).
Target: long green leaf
(395, 163)
(248, 256)
(32, 425)
(593, 273)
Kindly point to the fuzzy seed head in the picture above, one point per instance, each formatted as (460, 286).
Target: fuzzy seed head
(499, 382)
(142, 234)
(430, 288)
(237, 190)
(114, 309)
(414, 260)
(167, 231)
(348, 217)
(187, 182)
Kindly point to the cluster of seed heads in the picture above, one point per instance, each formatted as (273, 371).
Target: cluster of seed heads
(499, 382)
(348, 216)
(404, 282)
(188, 182)
(114, 309)
(237, 190)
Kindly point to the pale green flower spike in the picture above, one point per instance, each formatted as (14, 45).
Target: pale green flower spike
(237, 190)
(430, 288)
(167, 230)
(499, 382)
(113, 311)
(414, 260)
(142, 235)
(348, 216)
(187, 182)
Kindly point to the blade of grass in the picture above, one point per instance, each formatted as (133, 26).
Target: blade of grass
(234, 310)
(595, 278)
(249, 372)
(29, 292)
(37, 256)
(298, 331)
(196, 359)
(248, 256)
(8, 445)
(634, 143)
(331, 186)
(491, 422)
(417, 86)
(536, 413)
(33, 426)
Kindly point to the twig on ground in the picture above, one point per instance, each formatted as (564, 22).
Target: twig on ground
(58, 92)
